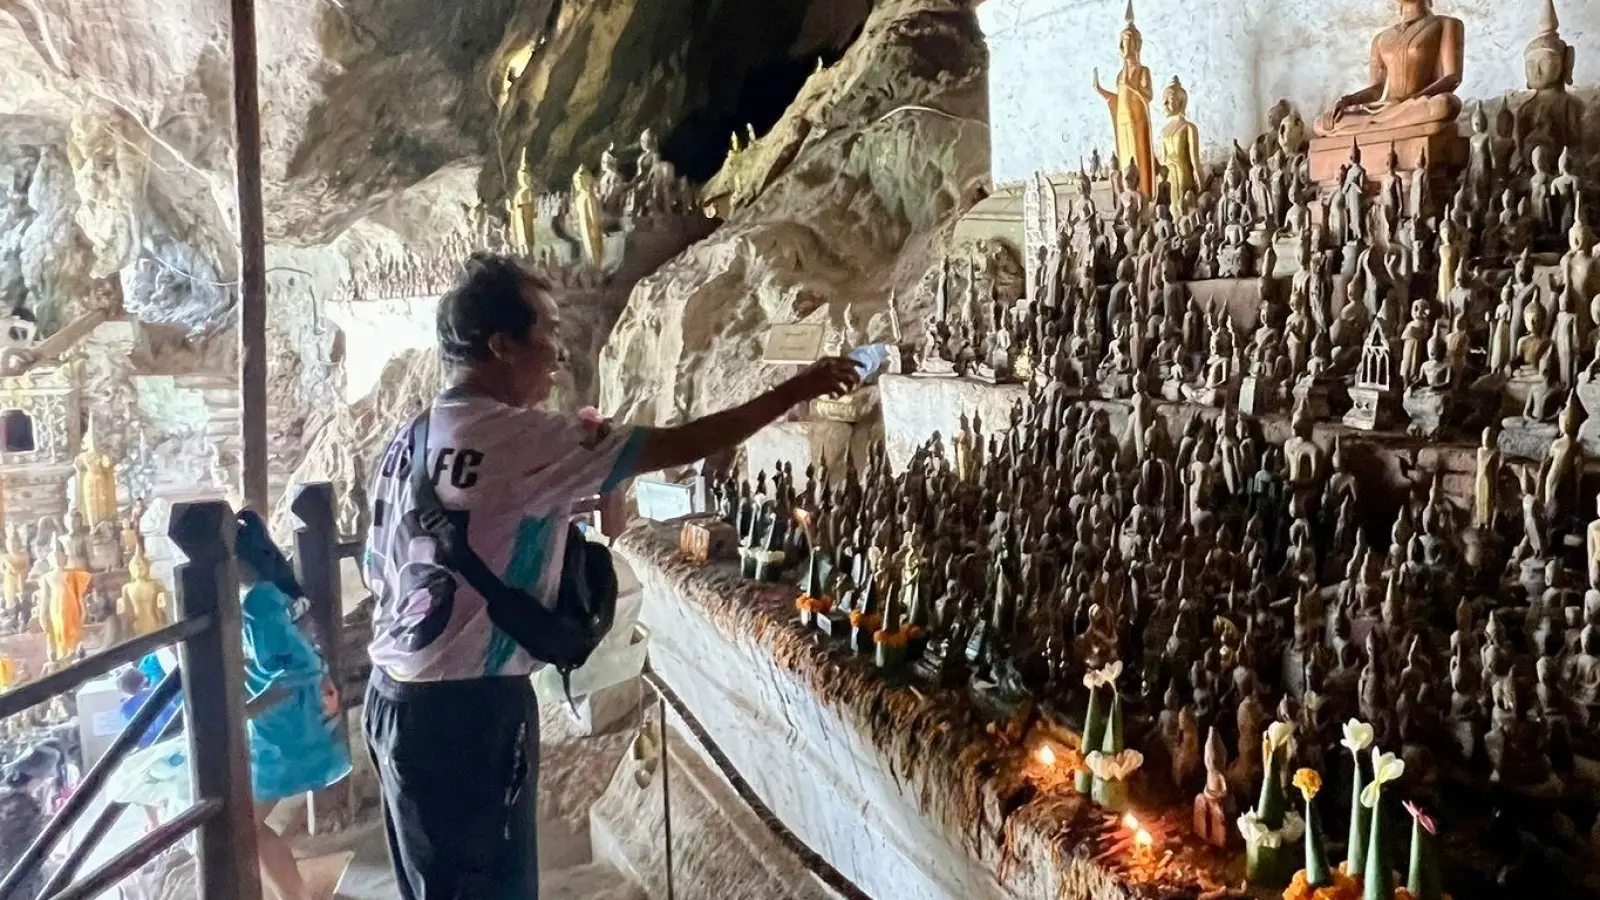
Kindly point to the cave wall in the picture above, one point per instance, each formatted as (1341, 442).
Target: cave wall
(693, 70)
(382, 135)
(852, 194)
(1235, 57)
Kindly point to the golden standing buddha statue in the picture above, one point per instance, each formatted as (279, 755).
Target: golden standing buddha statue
(1416, 68)
(142, 606)
(97, 483)
(14, 567)
(1180, 147)
(1130, 106)
(521, 209)
(63, 588)
(586, 216)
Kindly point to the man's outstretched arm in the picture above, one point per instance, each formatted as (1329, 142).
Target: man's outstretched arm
(664, 448)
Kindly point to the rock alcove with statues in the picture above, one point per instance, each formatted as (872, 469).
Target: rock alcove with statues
(1218, 519)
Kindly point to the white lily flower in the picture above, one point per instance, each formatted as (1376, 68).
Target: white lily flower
(1385, 768)
(1114, 766)
(1107, 675)
(1257, 834)
(1358, 735)
(1279, 734)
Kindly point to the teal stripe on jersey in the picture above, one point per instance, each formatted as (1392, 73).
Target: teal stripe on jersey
(523, 572)
(627, 460)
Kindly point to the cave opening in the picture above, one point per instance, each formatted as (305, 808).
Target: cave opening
(699, 144)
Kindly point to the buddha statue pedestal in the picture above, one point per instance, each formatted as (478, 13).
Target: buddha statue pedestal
(1408, 106)
(834, 622)
(1258, 396)
(1372, 408)
(1440, 143)
(943, 664)
(1322, 396)
(1428, 411)
(849, 409)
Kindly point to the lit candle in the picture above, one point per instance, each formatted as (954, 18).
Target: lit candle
(1046, 755)
(1130, 822)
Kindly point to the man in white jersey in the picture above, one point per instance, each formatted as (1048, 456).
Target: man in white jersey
(450, 716)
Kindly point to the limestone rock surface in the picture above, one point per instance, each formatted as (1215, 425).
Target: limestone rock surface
(842, 203)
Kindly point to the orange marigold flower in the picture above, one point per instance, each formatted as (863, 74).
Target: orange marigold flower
(1308, 781)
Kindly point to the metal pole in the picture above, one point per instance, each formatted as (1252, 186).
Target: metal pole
(666, 797)
(252, 262)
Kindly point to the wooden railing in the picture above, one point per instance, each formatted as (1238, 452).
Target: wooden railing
(318, 552)
(208, 632)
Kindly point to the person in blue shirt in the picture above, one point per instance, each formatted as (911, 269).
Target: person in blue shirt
(292, 730)
(136, 688)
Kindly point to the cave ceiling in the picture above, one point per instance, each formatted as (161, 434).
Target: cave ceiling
(361, 102)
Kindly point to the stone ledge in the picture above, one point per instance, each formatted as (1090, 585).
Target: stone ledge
(905, 790)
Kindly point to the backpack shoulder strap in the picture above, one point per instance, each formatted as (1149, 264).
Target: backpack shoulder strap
(546, 636)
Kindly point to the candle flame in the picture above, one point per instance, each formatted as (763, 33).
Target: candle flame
(1130, 822)
(1046, 755)
(1143, 839)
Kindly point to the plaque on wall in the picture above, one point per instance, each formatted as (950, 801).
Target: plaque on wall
(795, 344)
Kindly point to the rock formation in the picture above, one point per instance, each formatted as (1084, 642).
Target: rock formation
(845, 201)
(386, 128)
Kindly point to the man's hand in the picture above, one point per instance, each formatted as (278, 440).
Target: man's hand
(830, 377)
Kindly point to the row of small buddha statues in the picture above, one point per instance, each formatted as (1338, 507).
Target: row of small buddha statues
(1453, 307)
(1232, 580)
(50, 583)
(594, 204)
(410, 274)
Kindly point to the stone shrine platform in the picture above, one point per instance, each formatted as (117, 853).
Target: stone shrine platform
(908, 791)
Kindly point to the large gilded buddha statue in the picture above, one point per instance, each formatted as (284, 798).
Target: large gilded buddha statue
(1416, 68)
(1130, 106)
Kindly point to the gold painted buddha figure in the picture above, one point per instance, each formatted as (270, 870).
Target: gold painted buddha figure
(63, 588)
(522, 209)
(1416, 67)
(1180, 146)
(14, 568)
(587, 217)
(1130, 107)
(1552, 117)
(96, 481)
(142, 605)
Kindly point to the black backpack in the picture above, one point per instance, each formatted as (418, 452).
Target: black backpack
(586, 601)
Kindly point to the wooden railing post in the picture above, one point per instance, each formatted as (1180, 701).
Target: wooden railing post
(213, 686)
(316, 565)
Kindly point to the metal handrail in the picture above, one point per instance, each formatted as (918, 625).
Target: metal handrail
(89, 788)
(98, 829)
(209, 633)
(84, 671)
(161, 838)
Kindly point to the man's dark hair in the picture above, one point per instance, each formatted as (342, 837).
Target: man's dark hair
(488, 299)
